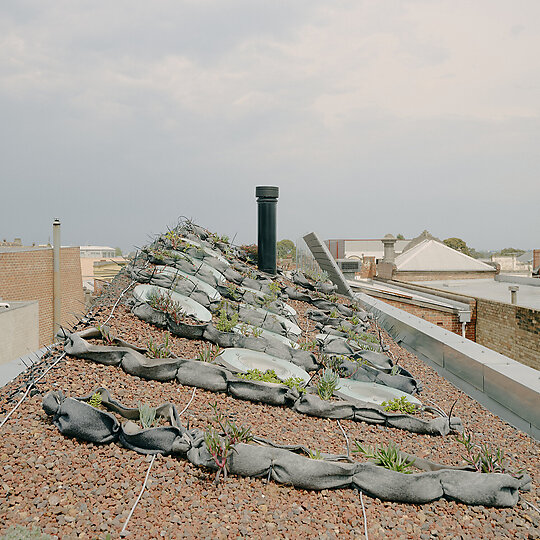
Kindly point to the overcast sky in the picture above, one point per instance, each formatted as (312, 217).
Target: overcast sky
(371, 116)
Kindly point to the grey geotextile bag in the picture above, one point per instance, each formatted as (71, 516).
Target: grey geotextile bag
(75, 418)
(110, 356)
(264, 392)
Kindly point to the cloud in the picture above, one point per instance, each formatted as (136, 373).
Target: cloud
(358, 109)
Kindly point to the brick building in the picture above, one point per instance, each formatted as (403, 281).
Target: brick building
(26, 273)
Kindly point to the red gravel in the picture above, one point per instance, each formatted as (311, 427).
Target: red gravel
(78, 490)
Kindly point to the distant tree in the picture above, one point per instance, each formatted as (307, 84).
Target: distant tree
(117, 252)
(511, 251)
(458, 244)
(400, 237)
(286, 249)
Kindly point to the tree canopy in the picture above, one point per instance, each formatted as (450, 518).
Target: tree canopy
(458, 244)
(286, 249)
(511, 251)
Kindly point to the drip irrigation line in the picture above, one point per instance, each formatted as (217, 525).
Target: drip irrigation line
(30, 386)
(117, 301)
(140, 495)
(346, 439)
(189, 402)
(532, 505)
(364, 515)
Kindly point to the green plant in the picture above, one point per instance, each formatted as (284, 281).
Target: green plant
(394, 370)
(315, 454)
(309, 345)
(18, 532)
(271, 377)
(334, 362)
(106, 335)
(484, 458)
(328, 383)
(219, 448)
(147, 415)
(386, 456)
(333, 298)
(95, 400)
(159, 351)
(216, 238)
(267, 300)
(401, 404)
(226, 323)
(295, 382)
(354, 320)
(334, 314)
(234, 293)
(274, 288)
(316, 275)
(248, 330)
(163, 302)
(208, 353)
(221, 443)
(174, 238)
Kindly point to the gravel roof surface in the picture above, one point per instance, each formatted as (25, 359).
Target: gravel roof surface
(74, 489)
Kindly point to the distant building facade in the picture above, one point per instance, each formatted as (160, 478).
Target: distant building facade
(97, 252)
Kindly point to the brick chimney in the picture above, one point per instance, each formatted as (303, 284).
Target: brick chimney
(387, 267)
(536, 260)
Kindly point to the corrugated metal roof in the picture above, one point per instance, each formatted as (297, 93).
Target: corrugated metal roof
(430, 255)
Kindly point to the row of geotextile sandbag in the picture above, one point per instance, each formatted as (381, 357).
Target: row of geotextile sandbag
(215, 378)
(274, 347)
(77, 418)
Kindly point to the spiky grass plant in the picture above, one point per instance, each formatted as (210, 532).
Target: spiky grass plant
(315, 454)
(208, 353)
(327, 384)
(334, 362)
(106, 335)
(220, 437)
(386, 456)
(159, 351)
(147, 415)
(484, 458)
(310, 345)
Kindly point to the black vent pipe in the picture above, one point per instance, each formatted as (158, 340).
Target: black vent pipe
(267, 197)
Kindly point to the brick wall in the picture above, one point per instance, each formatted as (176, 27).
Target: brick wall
(368, 268)
(430, 276)
(510, 330)
(444, 319)
(28, 275)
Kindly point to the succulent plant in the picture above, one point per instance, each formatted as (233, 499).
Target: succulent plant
(328, 383)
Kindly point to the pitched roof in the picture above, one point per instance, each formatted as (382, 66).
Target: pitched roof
(431, 255)
(526, 257)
